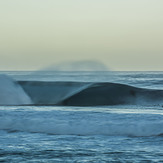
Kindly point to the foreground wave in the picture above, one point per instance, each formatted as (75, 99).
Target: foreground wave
(53, 120)
(74, 93)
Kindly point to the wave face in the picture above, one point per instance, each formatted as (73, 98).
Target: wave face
(74, 93)
(11, 92)
(52, 93)
(88, 93)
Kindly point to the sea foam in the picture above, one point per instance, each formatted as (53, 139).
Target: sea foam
(81, 123)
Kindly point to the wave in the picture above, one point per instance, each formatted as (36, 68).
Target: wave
(89, 93)
(68, 125)
(74, 93)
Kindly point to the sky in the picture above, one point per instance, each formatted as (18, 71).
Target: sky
(125, 35)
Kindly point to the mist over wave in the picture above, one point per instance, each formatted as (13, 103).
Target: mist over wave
(11, 93)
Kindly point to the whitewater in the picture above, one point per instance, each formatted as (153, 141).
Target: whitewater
(59, 116)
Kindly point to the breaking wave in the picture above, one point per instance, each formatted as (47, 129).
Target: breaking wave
(82, 123)
(74, 93)
(11, 93)
(89, 93)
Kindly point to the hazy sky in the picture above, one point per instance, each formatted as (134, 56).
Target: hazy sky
(123, 34)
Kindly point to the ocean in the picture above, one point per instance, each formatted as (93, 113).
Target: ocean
(79, 117)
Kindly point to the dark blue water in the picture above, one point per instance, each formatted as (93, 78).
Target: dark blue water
(120, 133)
